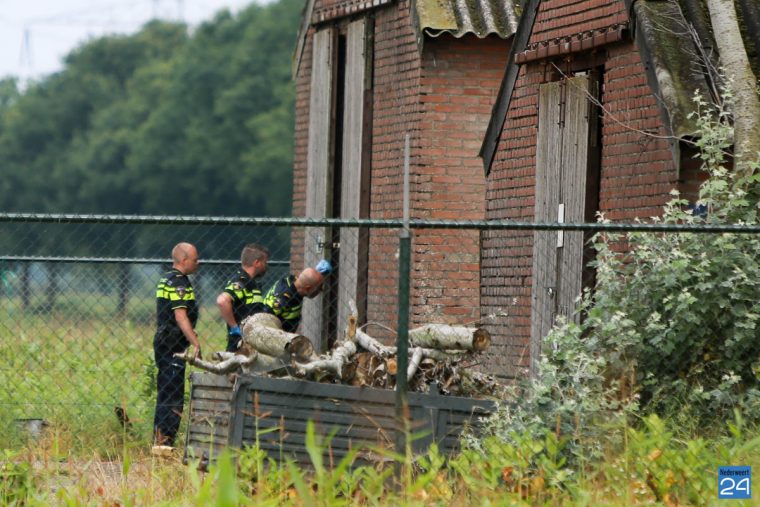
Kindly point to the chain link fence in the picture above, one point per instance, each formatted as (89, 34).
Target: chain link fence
(77, 298)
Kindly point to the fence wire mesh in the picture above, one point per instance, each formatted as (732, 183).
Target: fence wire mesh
(79, 312)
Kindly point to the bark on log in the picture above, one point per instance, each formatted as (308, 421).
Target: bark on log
(443, 336)
(736, 65)
(338, 363)
(414, 363)
(230, 363)
(264, 333)
(267, 364)
(370, 344)
(444, 355)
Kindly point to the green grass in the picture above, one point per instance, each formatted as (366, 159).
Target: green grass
(657, 463)
(73, 371)
(72, 366)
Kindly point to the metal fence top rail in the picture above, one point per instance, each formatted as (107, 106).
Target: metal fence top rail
(122, 260)
(68, 218)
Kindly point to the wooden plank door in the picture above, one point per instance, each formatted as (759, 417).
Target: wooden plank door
(562, 166)
(319, 172)
(350, 266)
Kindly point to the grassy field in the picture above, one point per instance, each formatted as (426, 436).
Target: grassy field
(72, 365)
(72, 372)
(655, 464)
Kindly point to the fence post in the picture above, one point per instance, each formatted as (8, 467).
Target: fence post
(402, 336)
(26, 290)
(124, 288)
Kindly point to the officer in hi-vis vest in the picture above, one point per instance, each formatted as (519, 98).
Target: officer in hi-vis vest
(285, 298)
(242, 295)
(176, 316)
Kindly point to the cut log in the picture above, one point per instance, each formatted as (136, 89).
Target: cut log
(443, 336)
(231, 362)
(414, 363)
(264, 333)
(444, 355)
(370, 344)
(391, 366)
(353, 319)
(338, 363)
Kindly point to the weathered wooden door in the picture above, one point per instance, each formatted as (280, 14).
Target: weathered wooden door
(351, 265)
(319, 171)
(563, 191)
(337, 172)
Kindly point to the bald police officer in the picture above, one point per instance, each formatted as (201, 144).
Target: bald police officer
(176, 316)
(285, 298)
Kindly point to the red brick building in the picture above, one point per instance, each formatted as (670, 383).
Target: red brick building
(368, 73)
(591, 117)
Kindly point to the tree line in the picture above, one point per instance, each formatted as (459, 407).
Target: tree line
(163, 121)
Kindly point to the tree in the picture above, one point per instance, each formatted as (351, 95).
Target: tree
(736, 66)
(159, 122)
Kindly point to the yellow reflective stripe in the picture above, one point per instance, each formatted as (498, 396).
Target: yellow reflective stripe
(238, 293)
(253, 297)
(292, 313)
(189, 296)
(168, 292)
(270, 299)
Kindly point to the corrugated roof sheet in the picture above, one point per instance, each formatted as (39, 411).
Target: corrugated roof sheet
(666, 33)
(460, 17)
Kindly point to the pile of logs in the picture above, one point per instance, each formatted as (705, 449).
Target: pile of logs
(438, 353)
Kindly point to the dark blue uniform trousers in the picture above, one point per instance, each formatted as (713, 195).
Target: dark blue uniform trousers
(171, 392)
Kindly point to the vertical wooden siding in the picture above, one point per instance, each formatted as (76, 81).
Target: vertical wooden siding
(561, 168)
(319, 168)
(351, 186)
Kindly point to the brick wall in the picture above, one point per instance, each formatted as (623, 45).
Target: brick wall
(637, 174)
(563, 18)
(637, 169)
(300, 147)
(396, 73)
(459, 82)
(443, 99)
(396, 80)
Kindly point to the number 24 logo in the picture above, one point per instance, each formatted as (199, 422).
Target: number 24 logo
(733, 486)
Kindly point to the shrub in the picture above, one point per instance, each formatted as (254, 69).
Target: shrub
(672, 325)
(682, 309)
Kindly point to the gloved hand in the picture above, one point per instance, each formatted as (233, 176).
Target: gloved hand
(234, 337)
(324, 267)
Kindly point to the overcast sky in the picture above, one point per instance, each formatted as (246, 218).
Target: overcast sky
(36, 34)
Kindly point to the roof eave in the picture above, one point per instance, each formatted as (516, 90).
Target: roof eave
(504, 97)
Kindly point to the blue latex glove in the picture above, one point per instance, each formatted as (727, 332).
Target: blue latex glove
(324, 267)
(235, 331)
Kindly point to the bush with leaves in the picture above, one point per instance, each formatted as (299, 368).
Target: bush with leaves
(571, 399)
(672, 325)
(686, 306)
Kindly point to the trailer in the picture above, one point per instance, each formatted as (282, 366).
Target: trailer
(274, 413)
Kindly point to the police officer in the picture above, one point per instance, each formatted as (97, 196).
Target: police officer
(176, 315)
(242, 295)
(285, 298)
